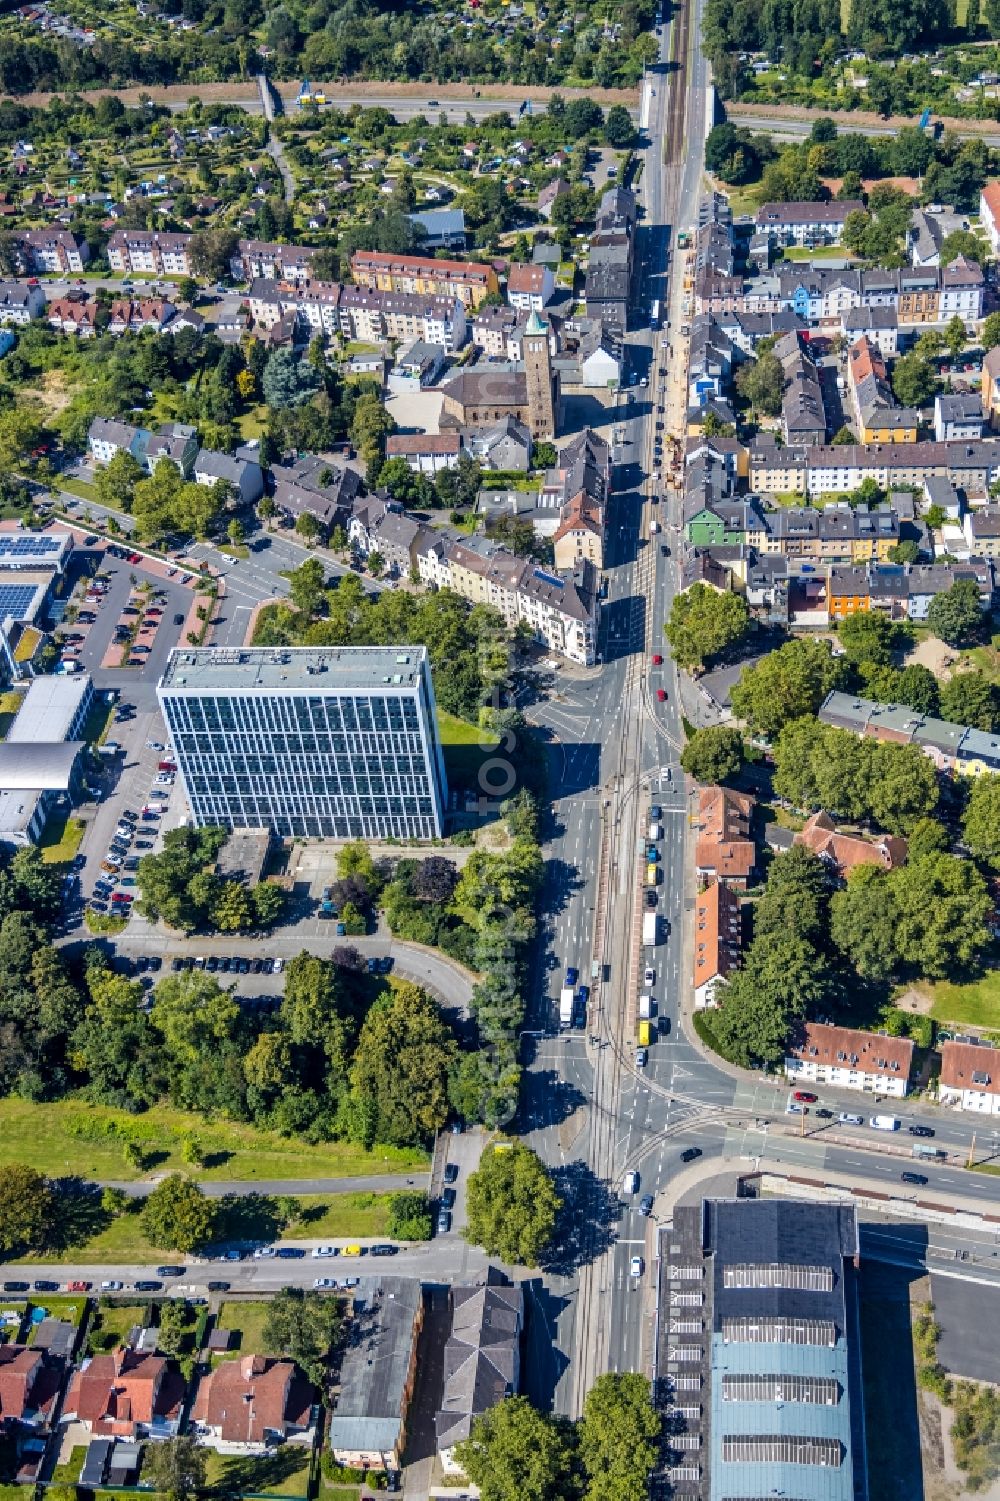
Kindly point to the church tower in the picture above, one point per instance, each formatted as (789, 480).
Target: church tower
(542, 383)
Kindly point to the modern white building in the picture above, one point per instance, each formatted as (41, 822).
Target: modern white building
(20, 302)
(847, 1059)
(325, 743)
(970, 1076)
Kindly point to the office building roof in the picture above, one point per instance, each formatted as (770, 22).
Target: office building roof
(292, 669)
(49, 709)
(368, 1414)
(38, 766)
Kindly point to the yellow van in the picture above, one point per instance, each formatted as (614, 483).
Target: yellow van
(652, 874)
(645, 1034)
(350, 1251)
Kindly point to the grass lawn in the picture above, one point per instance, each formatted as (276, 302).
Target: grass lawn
(10, 702)
(339, 1492)
(465, 748)
(249, 1319)
(104, 922)
(338, 1216)
(81, 487)
(284, 1473)
(817, 253)
(976, 1004)
(69, 1473)
(98, 720)
(61, 839)
(70, 1136)
(112, 1322)
(985, 658)
(251, 424)
(71, 1308)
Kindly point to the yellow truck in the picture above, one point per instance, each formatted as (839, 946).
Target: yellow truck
(652, 873)
(645, 1034)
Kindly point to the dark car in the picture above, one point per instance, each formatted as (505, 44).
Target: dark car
(920, 1130)
(651, 897)
(451, 1172)
(382, 1250)
(15, 1287)
(256, 965)
(171, 1271)
(290, 1253)
(448, 1198)
(176, 964)
(148, 1287)
(646, 1204)
(129, 816)
(150, 817)
(41, 1286)
(178, 620)
(144, 844)
(443, 1221)
(218, 1287)
(917, 1178)
(690, 1153)
(824, 1115)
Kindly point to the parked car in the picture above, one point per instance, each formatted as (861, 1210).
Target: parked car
(323, 1283)
(443, 1221)
(804, 1097)
(690, 1153)
(641, 1057)
(450, 1172)
(43, 1285)
(16, 1287)
(920, 1130)
(646, 1204)
(218, 1287)
(147, 1286)
(325, 1251)
(382, 1250)
(78, 1287)
(171, 1271)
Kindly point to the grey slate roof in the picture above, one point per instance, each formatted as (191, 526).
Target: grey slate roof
(481, 1364)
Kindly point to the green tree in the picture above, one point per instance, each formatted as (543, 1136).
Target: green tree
(927, 837)
(703, 623)
(714, 754)
(211, 251)
(914, 379)
(511, 1204)
(307, 527)
(409, 1216)
(990, 335)
(796, 899)
(308, 586)
(981, 820)
(177, 1216)
(970, 698)
(787, 684)
(115, 482)
(942, 908)
(903, 786)
(618, 1438)
(232, 909)
(370, 426)
(515, 1453)
(954, 334)
(619, 129)
(761, 382)
(863, 921)
(289, 380)
(955, 615)
(304, 1326)
(868, 636)
(268, 902)
(404, 1055)
(177, 1467)
(780, 982)
(28, 1209)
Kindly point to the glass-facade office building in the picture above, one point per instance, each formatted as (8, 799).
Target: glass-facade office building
(326, 742)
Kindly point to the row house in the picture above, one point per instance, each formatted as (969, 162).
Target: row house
(580, 533)
(970, 1076)
(317, 303)
(265, 258)
(425, 453)
(879, 325)
(745, 330)
(148, 314)
(957, 416)
(244, 476)
(953, 748)
(989, 214)
(902, 591)
(315, 487)
(20, 302)
(561, 609)
(842, 853)
(530, 287)
(823, 296)
(717, 941)
(383, 527)
(848, 1059)
(833, 469)
(150, 250)
(53, 251)
(982, 531)
(803, 410)
(807, 223)
(107, 437)
(878, 418)
(372, 316)
(497, 332)
(72, 315)
(380, 271)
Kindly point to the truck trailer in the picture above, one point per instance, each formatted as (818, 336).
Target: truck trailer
(649, 927)
(566, 1006)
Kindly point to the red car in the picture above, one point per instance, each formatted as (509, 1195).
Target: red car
(134, 557)
(657, 660)
(804, 1097)
(122, 897)
(661, 694)
(78, 1287)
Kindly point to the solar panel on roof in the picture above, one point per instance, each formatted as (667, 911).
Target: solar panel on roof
(15, 600)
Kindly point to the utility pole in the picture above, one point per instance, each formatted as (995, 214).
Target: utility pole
(972, 1150)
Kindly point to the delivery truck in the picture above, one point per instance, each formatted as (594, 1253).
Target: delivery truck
(652, 874)
(645, 1034)
(884, 1122)
(566, 1006)
(646, 1006)
(655, 831)
(649, 927)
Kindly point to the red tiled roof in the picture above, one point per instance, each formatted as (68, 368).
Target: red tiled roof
(19, 1370)
(716, 943)
(114, 1393)
(991, 197)
(960, 1060)
(843, 1047)
(847, 850)
(724, 845)
(248, 1398)
(526, 279)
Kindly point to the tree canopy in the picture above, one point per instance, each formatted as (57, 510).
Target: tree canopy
(713, 754)
(955, 615)
(512, 1204)
(787, 684)
(303, 1325)
(177, 1216)
(703, 623)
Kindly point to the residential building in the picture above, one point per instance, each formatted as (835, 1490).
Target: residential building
(970, 1071)
(839, 469)
(989, 215)
(73, 315)
(425, 453)
(717, 941)
(902, 591)
(507, 446)
(482, 1363)
(413, 273)
(580, 533)
(843, 852)
(244, 476)
(952, 747)
(176, 442)
(548, 195)
(877, 416)
(50, 251)
(20, 302)
(929, 228)
(318, 488)
(982, 531)
(443, 228)
(368, 1425)
(848, 1059)
(334, 743)
(129, 1394)
(530, 287)
(724, 850)
(879, 325)
(608, 284)
(148, 314)
(958, 416)
(107, 436)
(760, 1350)
(990, 387)
(158, 251)
(807, 223)
(30, 1383)
(248, 1405)
(255, 258)
(803, 412)
(497, 331)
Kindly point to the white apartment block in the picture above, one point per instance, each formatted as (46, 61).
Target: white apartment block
(970, 1077)
(155, 251)
(847, 1059)
(20, 303)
